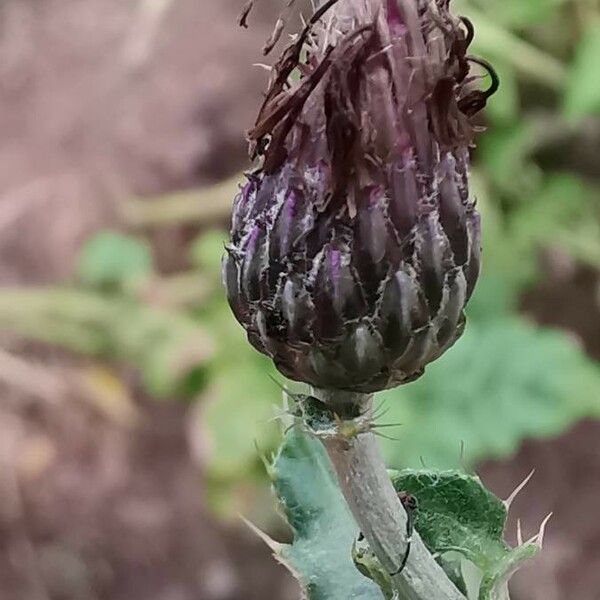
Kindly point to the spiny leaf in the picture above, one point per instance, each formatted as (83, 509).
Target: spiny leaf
(493, 585)
(456, 513)
(324, 530)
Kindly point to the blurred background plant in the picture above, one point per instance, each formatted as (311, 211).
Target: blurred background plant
(144, 311)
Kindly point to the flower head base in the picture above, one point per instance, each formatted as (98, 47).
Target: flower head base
(355, 245)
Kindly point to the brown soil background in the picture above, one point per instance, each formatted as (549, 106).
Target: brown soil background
(96, 103)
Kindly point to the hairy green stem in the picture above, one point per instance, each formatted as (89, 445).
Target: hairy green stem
(365, 484)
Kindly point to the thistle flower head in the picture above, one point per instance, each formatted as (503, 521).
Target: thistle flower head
(355, 245)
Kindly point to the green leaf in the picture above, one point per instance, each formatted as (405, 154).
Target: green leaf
(236, 414)
(582, 96)
(560, 203)
(494, 583)
(493, 299)
(560, 210)
(110, 259)
(503, 382)
(456, 513)
(503, 269)
(324, 530)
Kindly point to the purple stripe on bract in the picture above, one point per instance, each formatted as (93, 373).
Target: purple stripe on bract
(249, 245)
(335, 262)
(394, 19)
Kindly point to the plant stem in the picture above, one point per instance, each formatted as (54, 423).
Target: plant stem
(368, 490)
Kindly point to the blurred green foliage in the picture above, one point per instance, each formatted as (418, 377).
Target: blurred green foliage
(505, 380)
(582, 95)
(111, 260)
(166, 348)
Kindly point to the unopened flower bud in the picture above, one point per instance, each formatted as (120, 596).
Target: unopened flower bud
(355, 245)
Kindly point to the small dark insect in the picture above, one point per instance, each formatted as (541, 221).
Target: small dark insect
(410, 506)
